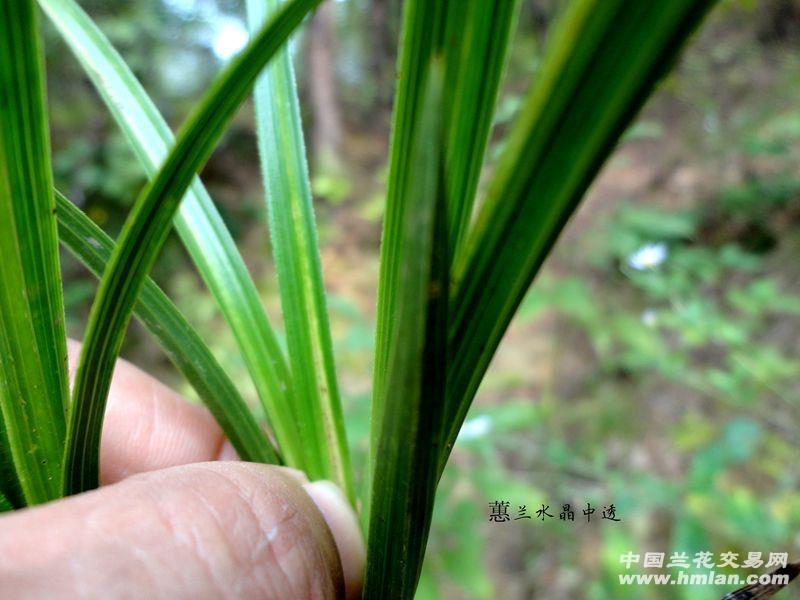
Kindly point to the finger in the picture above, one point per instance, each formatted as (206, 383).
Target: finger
(148, 426)
(210, 530)
(346, 531)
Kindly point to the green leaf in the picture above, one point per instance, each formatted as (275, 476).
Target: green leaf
(603, 62)
(5, 503)
(317, 406)
(198, 222)
(33, 350)
(141, 239)
(410, 430)
(475, 45)
(9, 482)
(182, 344)
(423, 28)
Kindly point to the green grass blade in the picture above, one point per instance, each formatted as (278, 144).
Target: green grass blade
(602, 64)
(182, 344)
(410, 431)
(198, 223)
(423, 28)
(33, 346)
(141, 239)
(476, 44)
(9, 482)
(5, 503)
(317, 405)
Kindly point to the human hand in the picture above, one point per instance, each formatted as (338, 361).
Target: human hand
(179, 516)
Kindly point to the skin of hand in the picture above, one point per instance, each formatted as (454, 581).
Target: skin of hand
(179, 516)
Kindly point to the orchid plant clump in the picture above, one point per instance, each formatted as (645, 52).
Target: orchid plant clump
(454, 263)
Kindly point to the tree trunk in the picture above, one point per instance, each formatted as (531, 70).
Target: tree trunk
(327, 121)
(381, 52)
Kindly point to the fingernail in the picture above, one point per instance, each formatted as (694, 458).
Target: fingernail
(343, 523)
(227, 452)
(295, 474)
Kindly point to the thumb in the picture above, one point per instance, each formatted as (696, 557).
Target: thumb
(207, 530)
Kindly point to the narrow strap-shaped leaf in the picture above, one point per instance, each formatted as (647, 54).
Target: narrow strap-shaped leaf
(9, 482)
(198, 222)
(317, 405)
(475, 44)
(762, 591)
(5, 503)
(422, 31)
(141, 239)
(602, 64)
(410, 431)
(33, 346)
(182, 344)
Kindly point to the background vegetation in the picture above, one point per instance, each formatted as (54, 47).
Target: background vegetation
(655, 362)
